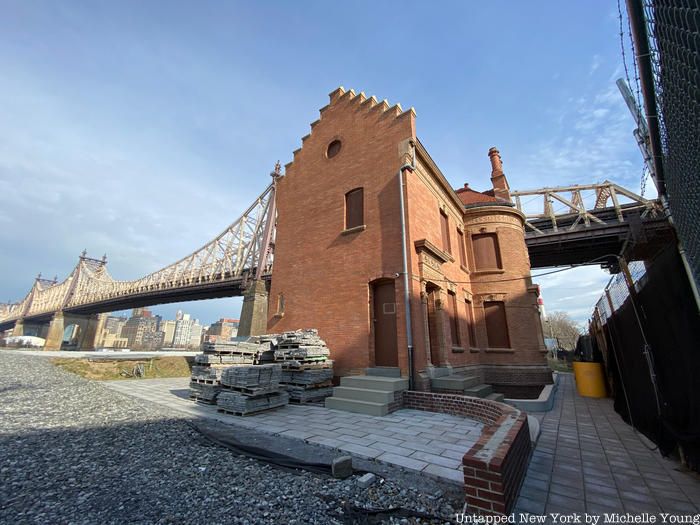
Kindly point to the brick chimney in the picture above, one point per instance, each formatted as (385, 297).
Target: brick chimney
(498, 178)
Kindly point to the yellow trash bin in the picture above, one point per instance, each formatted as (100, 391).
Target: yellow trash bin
(590, 380)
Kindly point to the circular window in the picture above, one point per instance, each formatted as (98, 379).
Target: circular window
(333, 149)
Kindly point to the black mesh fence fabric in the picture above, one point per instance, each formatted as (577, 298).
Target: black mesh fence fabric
(662, 335)
(673, 28)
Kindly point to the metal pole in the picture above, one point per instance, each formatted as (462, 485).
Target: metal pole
(646, 77)
(406, 281)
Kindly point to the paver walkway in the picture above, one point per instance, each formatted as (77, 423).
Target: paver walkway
(424, 441)
(589, 460)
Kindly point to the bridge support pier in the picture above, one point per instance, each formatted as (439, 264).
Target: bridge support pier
(93, 329)
(254, 311)
(18, 329)
(54, 337)
(90, 327)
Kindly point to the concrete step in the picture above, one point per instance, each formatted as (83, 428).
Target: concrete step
(496, 397)
(359, 407)
(440, 371)
(471, 381)
(384, 371)
(363, 394)
(388, 384)
(478, 390)
(453, 382)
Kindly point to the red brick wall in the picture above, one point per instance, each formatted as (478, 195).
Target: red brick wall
(495, 466)
(323, 273)
(512, 285)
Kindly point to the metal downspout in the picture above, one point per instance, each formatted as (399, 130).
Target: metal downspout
(406, 280)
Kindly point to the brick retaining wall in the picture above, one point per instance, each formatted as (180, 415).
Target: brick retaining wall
(495, 466)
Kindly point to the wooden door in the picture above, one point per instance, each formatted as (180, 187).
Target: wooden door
(385, 348)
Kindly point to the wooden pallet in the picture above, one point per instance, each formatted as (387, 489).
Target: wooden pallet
(231, 352)
(252, 392)
(204, 381)
(305, 365)
(202, 401)
(307, 386)
(243, 414)
(317, 401)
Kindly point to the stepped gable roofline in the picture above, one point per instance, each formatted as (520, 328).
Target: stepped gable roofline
(340, 95)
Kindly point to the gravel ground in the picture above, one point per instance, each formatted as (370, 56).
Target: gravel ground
(73, 451)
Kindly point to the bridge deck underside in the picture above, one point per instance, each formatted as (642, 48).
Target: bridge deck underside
(214, 290)
(598, 244)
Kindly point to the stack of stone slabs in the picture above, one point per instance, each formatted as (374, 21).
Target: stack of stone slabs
(250, 389)
(205, 382)
(307, 371)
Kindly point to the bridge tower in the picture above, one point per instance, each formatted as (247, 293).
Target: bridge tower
(255, 299)
(90, 325)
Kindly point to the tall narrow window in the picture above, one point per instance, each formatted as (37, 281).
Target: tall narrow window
(462, 254)
(454, 323)
(487, 254)
(354, 208)
(280, 304)
(496, 324)
(470, 323)
(445, 228)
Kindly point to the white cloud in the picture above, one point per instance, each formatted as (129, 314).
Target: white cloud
(574, 291)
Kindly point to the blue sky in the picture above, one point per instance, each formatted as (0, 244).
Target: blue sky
(142, 129)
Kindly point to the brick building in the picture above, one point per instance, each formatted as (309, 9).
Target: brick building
(223, 330)
(339, 261)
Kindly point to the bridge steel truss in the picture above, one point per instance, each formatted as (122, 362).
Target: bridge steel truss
(244, 252)
(592, 228)
(222, 267)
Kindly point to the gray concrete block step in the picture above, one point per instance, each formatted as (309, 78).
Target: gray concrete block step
(384, 371)
(358, 407)
(478, 390)
(454, 382)
(388, 384)
(363, 394)
(496, 397)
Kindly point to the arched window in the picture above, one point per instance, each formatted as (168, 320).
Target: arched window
(354, 208)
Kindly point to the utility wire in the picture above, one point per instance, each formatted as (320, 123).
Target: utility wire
(571, 267)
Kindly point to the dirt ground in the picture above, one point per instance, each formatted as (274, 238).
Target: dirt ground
(108, 369)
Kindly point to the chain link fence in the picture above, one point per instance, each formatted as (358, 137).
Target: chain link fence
(618, 290)
(673, 28)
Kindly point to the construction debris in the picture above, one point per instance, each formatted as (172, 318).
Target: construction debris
(341, 467)
(204, 393)
(307, 372)
(258, 367)
(215, 358)
(241, 404)
(366, 480)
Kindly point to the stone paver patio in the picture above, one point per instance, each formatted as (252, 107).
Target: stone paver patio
(588, 459)
(423, 441)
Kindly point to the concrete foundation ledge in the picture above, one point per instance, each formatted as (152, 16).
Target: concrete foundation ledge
(543, 403)
(494, 468)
